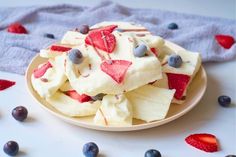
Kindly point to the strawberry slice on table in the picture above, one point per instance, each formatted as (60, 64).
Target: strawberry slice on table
(204, 142)
(116, 69)
(4, 84)
(178, 82)
(225, 41)
(102, 38)
(81, 98)
(39, 72)
(17, 28)
(59, 48)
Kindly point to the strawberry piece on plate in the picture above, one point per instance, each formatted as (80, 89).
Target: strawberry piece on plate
(102, 38)
(81, 98)
(116, 69)
(225, 41)
(4, 84)
(154, 51)
(204, 142)
(17, 28)
(39, 72)
(178, 82)
(59, 48)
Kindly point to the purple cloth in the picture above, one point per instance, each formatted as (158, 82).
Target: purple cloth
(195, 33)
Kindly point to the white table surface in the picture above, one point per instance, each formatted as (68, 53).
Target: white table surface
(43, 135)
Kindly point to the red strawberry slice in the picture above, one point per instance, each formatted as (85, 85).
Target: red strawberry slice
(205, 142)
(81, 98)
(39, 72)
(178, 82)
(102, 38)
(116, 69)
(4, 84)
(154, 51)
(225, 41)
(17, 28)
(59, 48)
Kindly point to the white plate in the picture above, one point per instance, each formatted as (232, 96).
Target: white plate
(194, 95)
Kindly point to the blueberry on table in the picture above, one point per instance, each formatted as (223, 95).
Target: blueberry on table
(75, 56)
(20, 113)
(224, 100)
(175, 61)
(51, 36)
(90, 150)
(11, 148)
(230, 156)
(140, 50)
(84, 29)
(152, 153)
(173, 26)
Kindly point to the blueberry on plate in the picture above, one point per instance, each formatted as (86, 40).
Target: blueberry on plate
(140, 50)
(90, 150)
(48, 35)
(84, 29)
(175, 61)
(20, 113)
(152, 153)
(75, 56)
(11, 148)
(173, 26)
(224, 100)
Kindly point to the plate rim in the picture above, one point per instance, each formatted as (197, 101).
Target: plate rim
(148, 125)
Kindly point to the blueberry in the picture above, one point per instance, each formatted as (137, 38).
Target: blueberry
(98, 96)
(90, 150)
(140, 50)
(49, 36)
(84, 29)
(230, 156)
(20, 113)
(175, 61)
(152, 153)
(11, 148)
(224, 100)
(75, 56)
(173, 26)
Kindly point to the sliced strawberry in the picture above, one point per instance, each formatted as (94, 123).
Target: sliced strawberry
(17, 28)
(59, 48)
(81, 98)
(178, 82)
(205, 142)
(39, 72)
(102, 38)
(4, 84)
(154, 51)
(116, 69)
(225, 41)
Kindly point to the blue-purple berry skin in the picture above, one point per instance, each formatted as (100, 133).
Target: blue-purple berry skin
(75, 56)
(175, 61)
(20, 113)
(90, 150)
(224, 100)
(173, 26)
(152, 153)
(48, 35)
(140, 50)
(11, 148)
(84, 29)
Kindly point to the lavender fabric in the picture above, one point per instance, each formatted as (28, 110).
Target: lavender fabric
(195, 33)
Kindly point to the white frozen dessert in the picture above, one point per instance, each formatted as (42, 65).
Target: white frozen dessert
(114, 71)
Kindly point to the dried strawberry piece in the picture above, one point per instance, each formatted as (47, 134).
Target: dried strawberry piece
(116, 69)
(4, 84)
(102, 38)
(225, 41)
(59, 48)
(81, 98)
(39, 72)
(17, 28)
(205, 142)
(154, 51)
(178, 82)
